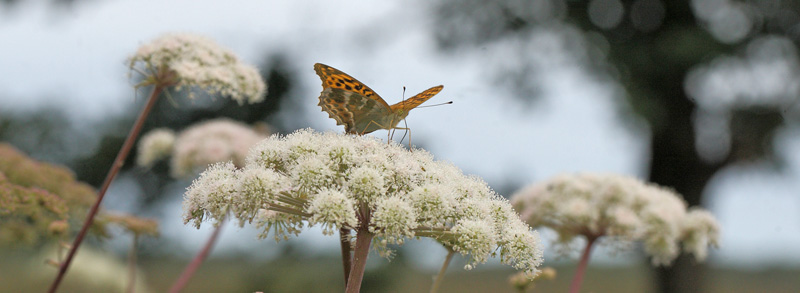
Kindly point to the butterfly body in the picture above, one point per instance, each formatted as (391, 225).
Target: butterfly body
(358, 107)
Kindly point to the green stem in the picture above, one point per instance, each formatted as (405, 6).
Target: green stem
(285, 198)
(112, 173)
(438, 281)
(288, 210)
(432, 229)
(434, 234)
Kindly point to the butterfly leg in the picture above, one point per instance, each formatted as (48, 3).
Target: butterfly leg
(367, 127)
(390, 135)
(408, 130)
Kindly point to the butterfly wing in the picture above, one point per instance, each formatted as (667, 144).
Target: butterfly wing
(415, 101)
(358, 114)
(351, 103)
(335, 78)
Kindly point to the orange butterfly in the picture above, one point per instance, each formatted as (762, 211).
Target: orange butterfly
(358, 107)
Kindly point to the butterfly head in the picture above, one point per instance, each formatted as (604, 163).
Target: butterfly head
(401, 114)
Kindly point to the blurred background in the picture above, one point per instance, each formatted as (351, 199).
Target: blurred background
(698, 95)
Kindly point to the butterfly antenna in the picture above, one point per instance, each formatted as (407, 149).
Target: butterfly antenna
(434, 105)
(408, 131)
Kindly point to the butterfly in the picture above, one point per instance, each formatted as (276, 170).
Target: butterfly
(358, 107)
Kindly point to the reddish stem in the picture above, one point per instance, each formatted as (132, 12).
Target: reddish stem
(347, 260)
(363, 240)
(112, 173)
(192, 267)
(577, 279)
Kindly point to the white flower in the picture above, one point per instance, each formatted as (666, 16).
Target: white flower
(434, 204)
(211, 194)
(662, 219)
(358, 182)
(578, 212)
(517, 249)
(332, 206)
(394, 219)
(620, 209)
(700, 230)
(210, 142)
(185, 60)
(312, 174)
(155, 145)
(624, 221)
(475, 237)
(365, 184)
(256, 187)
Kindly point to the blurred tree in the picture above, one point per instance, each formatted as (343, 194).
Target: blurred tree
(46, 133)
(671, 57)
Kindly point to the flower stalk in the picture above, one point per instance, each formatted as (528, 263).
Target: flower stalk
(344, 241)
(132, 265)
(198, 259)
(179, 61)
(440, 276)
(112, 173)
(577, 279)
(363, 240)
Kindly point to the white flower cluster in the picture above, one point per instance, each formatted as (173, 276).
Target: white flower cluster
(198, 146)
(622, 208)
(212, 141)
(357, 182)
(186, 60)
(155, 145)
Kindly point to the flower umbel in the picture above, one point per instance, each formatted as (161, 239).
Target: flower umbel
(361, 183)
(185, 60)
(209, 142)
(212, 194)
(155, 145)
(615, 208)
(174, 60)
(199, 146)
(621, 209)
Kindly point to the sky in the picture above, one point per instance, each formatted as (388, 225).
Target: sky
(75, 60)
